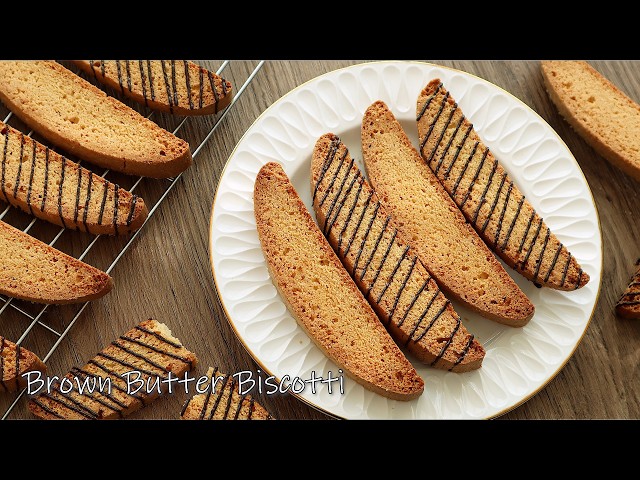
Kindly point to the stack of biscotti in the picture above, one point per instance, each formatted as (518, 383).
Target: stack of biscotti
(32, 270)
(488, 197)
(222, 401)
(598, 111)
(174, 86)
(51, 187)
(321, 295)
(15, 361)
(432, 224)
(78, 117)
(385, 268)
(149, 349)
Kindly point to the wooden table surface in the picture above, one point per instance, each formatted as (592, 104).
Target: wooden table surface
(166, 273)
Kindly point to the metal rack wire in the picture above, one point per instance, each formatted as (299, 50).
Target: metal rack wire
(34, 315)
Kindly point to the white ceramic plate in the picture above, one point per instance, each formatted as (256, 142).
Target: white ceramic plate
(519, 361)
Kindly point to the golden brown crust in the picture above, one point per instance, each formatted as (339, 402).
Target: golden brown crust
(80, 118)
(14, 365)
(397, 285)
(629, 304)
(34, 271)
(222, 401)
(431, 223)
(174, 86)
(598, 111)
(322, 296)
(149, 348)
(49, 186)
(488, 197)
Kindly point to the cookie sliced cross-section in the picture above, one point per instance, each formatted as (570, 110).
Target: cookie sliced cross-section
(629, 304)
(488, 197)
(385, 268)
(321, 295)
(49, 186)
(32, 270)
(149, 349)
(222, 401)
(14, 362)
(175, 86)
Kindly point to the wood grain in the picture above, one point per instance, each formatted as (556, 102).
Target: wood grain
(166, 274)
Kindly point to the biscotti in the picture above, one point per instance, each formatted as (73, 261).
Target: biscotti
(387, 271)
(431, 223)
(149, 353)
(32, 270)
(80, 118)
(222, 401)
(14, 362)
(489, 199)
(321, 295)
(598, 111)
(49, 186)
(174, 86)
(629, 304)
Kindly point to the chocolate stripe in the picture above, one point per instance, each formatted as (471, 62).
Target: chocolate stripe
(115, 375)
(46, 178)
(129, 365)
(382, 262)
(132, 209)
(94, 415)
(501, 217)
(87, 202)
(413, 301)
(115, 208)
(140, 356)
(579, 279)
(422, 315)
(201, 86)
(428, 101)
(458, 150)
(31, 174)
(239, 407)
(473, 181)
(118, 404)
(167, 86)
(335, 176)
(553, 263)
(128, 67)
(495, 202)
(349, 215)
(464, 169)
(219, 396)
(69, 406)
(433, 123)
(393, 274)
(17, 182)
(2, 384)
(229, 398)
(364, 210)
(366, 236)
(119, 76)
(403, 285)
(433, 321)
(464, 353)
(331, 154)
(143, 81)
(446, 345)
(176, 99)
(486, 189)
(526, 232)
(216, 97)
(541, 256)
(565, 270)
(187, 80)
(336, 199)
(532, 245)
(64, 162)
(47, 409)
(375, 248)
(76, 209)
(159, 337)
(513, 223)
(444, 153)
(151, 86)
(4, 162)
(156, 349)
(442, 133)
(205, 404)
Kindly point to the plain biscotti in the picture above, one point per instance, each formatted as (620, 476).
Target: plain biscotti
(387, 271)
(431, 223)
(222, 401)
(149, 349)
(602, 114)
(629, 304)
(32, 270)
(80, 118)
(321, 295)
(14, 362)
(488, 197)
(49, 186)
(174, 86)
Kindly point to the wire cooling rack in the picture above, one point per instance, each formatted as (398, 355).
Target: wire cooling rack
(42, 328)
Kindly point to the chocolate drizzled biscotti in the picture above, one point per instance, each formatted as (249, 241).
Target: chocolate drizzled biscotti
(629, 304)
(430, 222)
(222, 401)
(80, 118)
(387, 271)
(49, 186)
(598, 111)
(322, 296)
(14, 362)
(174, 86)
(150, 349)
(32, 270)
(489, 199)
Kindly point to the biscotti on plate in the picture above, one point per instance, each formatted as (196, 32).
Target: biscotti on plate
(14, 362)
(32, 270)
(488, 197)
(321, 295)
(149, 349)
(431, 223)
(174, 86)
(385, 268)
(598, 111)
(629, 304)
(81, 119)
(49, 186)
(222, 401)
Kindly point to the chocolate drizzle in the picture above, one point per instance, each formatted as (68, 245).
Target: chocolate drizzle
(64, 163)
(167, 86)
(541, 255)
(143, 82)
(33, 168)
(87, 201)
(501, 217)
(464, 170)
(17, 182)
(428, 102)
(76, 209)
(119, 76)
(332, 193)
(46, 179)
(187, 80)
(2, 384)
